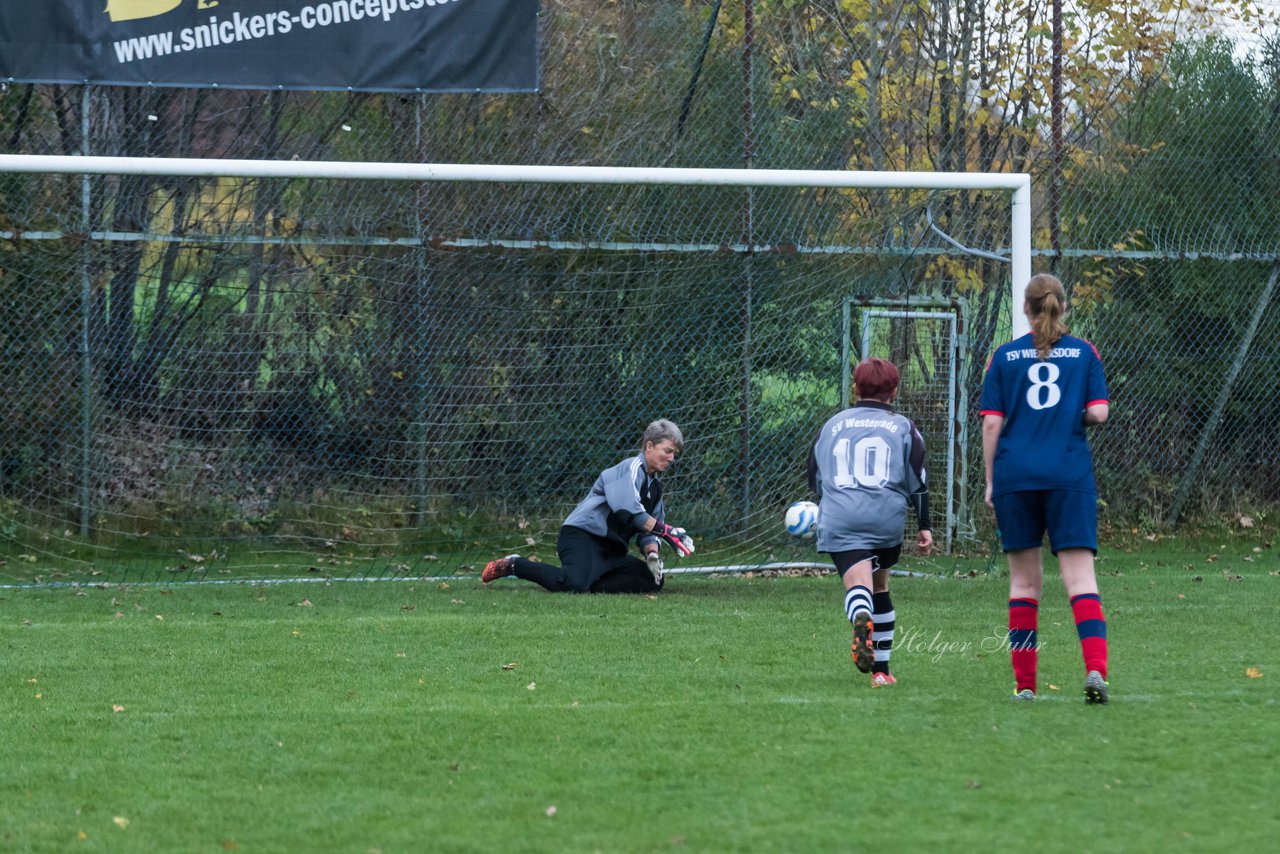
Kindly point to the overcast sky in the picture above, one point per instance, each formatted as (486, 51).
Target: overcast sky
(1249, 35)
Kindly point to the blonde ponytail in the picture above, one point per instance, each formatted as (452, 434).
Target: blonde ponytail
(1048, 303)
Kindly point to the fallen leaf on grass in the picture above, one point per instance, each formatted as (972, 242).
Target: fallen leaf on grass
(532, 686)
(1253, 673)
(116, 707)
(305, 603)
(510, 665)
(121, 821)
(1053, 687)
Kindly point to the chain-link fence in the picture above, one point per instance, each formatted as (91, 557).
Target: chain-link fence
(419, 377)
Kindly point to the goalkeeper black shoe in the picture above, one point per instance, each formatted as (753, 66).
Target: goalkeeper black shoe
(500, 568)
(864, 652)
(1095, 689)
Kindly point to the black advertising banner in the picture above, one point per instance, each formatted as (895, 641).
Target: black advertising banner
(371, 45)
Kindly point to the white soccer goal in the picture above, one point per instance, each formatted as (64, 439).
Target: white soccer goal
(404, 369)
(1017, 184)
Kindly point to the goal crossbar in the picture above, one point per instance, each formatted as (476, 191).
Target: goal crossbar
(1018, 184)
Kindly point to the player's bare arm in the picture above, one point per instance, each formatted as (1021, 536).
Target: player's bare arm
(991, 426)
(1096, 414)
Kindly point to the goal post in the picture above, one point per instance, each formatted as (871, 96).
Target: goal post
(407, 369)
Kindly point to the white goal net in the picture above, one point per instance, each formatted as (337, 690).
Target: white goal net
(250, 368)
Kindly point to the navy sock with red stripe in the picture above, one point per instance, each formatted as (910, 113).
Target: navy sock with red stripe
(1091, 626)
(1023, 642)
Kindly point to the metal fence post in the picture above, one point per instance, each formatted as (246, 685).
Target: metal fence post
(1224, 394)
(86, 295)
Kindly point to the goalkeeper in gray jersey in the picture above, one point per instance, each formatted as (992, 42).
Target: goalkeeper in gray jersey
(867, 465)
(594, 543)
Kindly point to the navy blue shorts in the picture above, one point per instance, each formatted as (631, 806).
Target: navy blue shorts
(1069, 518)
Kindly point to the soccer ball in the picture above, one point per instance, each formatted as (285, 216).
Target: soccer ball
(802, 520)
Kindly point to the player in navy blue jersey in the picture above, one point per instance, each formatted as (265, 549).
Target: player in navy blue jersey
(1040, 393)
(867, 466)
(594, 543)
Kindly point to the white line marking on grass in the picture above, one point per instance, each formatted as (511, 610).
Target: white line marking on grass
(1074, 697)
(366, 579)
(1195, 695)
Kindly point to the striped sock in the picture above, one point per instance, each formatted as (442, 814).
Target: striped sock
(1023, 642)
(883, 616)
(1091, 626)
(857, 600)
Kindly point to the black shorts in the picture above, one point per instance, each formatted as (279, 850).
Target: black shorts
(880, 558)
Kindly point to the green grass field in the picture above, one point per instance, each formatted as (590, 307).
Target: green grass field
(723, 715)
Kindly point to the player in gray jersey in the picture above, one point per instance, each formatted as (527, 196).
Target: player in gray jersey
(624, 502)
(867, 466)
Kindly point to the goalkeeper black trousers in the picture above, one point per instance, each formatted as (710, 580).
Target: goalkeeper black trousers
(589, 564)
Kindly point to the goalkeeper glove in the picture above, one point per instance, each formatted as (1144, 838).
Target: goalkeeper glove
(677, 538)
(654, 560)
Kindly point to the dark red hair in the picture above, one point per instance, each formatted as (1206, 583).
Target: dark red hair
(875, 378)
